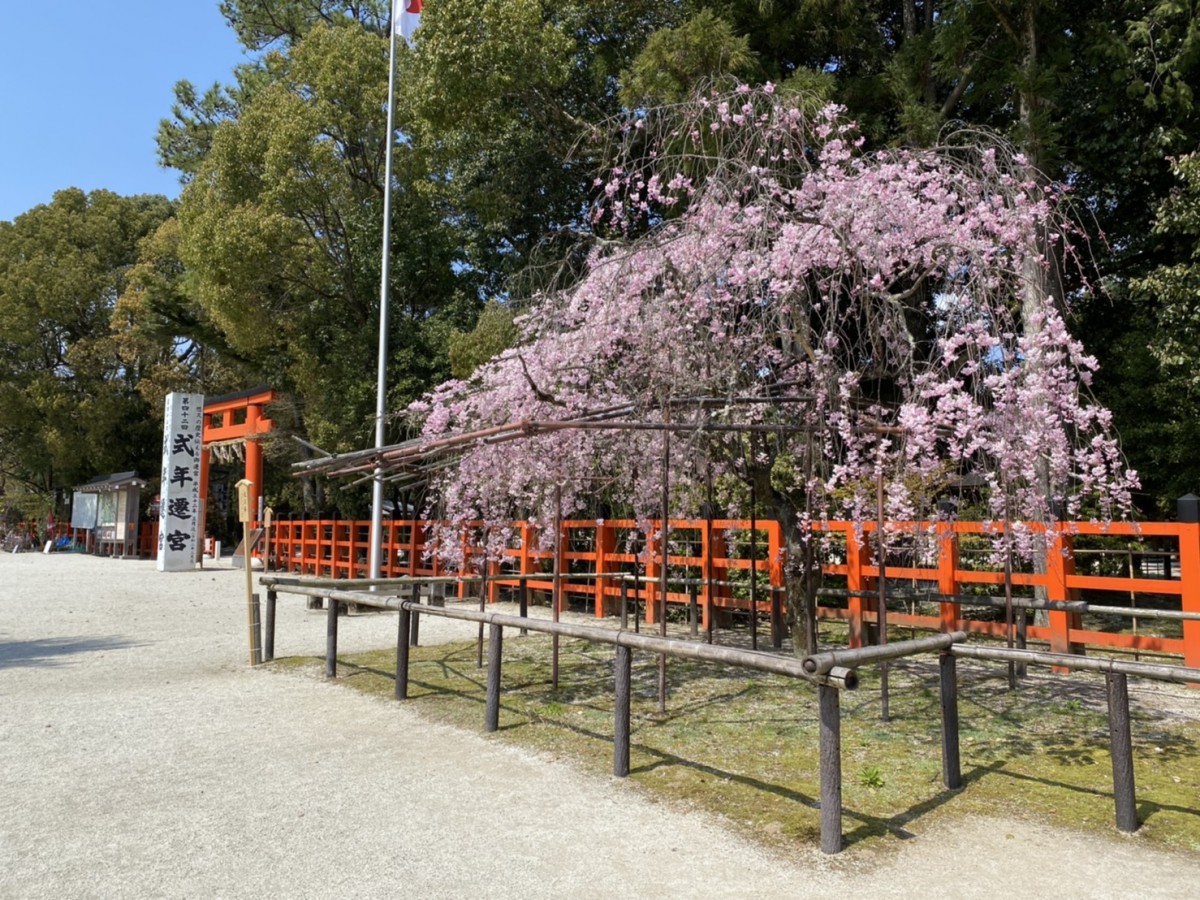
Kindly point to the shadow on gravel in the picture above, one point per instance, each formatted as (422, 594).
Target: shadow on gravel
(55, 651)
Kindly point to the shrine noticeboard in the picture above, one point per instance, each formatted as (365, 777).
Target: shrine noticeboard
(179, 510)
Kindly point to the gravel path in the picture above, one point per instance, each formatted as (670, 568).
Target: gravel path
(141, 757)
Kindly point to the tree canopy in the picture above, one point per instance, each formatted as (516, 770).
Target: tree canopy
(268, 270)
(852, 309)
(69, 403)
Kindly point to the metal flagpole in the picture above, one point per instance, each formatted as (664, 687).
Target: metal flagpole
(376, 552)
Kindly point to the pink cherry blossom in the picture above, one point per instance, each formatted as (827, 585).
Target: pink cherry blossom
(864, 305)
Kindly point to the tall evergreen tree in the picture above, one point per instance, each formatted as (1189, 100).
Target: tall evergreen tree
(69, 405)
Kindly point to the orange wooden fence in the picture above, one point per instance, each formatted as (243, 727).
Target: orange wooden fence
(947, 558)
(85, 540)
(1160, 562)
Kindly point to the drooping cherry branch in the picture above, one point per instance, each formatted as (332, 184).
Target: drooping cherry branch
(865, 305)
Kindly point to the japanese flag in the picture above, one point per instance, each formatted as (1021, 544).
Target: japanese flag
(407, 16)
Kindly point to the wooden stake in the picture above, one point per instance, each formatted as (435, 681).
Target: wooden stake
(951, 762)
(269, 630)
(831, 769)
(403, 637)
(884, 712)
(623, 668)
(414, 634)
(1124, 791)
(556, 594)
(662, 540)
(331, 629)
(753, 562)
(491, 718)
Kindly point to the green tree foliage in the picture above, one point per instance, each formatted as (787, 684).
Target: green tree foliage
(1098, 95)
(69, 405)
(677, 60)
(503, 106)
(281, 236)
(494, 333)
(260, 24)
(1166, 306)
(504, 100)
(164, 338)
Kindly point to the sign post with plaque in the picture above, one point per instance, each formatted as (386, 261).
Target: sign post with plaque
(179, 509)
(252, 608)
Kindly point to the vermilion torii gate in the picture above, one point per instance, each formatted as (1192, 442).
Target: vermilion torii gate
(234, 425)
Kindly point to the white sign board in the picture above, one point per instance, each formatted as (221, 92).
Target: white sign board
(83, 510)
(179, 511)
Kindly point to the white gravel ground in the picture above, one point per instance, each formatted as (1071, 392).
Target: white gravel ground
(141, 757)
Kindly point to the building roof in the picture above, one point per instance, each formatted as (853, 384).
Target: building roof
(114, 482)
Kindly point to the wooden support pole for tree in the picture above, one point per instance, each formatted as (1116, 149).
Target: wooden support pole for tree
(483, 592)
(1124, 792)
(491, 717)
(693, 608)
(951, 761)
(709, 610)
(415, 631)
(269, 627)
(637, 598)
(623, 673)
(331, 629)
(1022, 640)
(624, 603)
(776, 621)
(403, 642)
(523, 603)
(831, 769)
(881, 563)
(246, 516)
(556, 593)
(753, 564)
(1008, 606)
(256, 628)
(665, 570)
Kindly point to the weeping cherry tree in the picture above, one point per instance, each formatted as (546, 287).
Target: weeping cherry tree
(808, 318)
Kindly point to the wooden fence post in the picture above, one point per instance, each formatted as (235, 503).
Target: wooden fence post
(414, 635)
(831, 769)
(606, 545)
(652, 576)
(331, 628)
(491, 718)
(948, 560)
(693, 609)
(523, 603)
(269, 627)
(402, 652)
(1124, 791)
(776, 557)
(623, 668)
(387, 553)
(1189, 574)
(858, 557)
(706, 561)
(1060, 564)
(951, 761)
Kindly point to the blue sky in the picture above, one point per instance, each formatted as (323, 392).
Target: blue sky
(83, 86)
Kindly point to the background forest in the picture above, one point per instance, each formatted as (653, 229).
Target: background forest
(267, 268)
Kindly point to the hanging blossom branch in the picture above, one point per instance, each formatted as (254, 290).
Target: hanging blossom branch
(753, 249)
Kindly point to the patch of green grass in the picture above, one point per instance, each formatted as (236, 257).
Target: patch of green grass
(745, 747)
